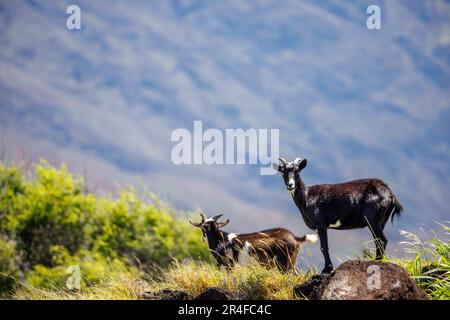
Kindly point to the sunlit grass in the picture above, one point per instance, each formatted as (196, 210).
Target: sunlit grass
(117, 286)
(428, 263)
(252, 282)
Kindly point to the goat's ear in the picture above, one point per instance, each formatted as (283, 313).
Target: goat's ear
(276, 166)
(223, 224)
(302, 164)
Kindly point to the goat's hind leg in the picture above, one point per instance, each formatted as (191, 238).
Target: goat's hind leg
(382, 243)
(380, 239)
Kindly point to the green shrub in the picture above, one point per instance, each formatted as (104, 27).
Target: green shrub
(50, 222)
(147, 233)
(8, 265)
(11, 187)
(51, 210)
(92, 266)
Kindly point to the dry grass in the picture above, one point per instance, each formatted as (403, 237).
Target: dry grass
(428, 264)
(251, 282)
(117, 286)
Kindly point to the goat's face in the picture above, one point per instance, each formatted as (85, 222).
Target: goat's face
(290, 171)
(210, 225)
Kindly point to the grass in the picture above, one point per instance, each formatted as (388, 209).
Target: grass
(428, 263)
(117, 286)
(253, 282)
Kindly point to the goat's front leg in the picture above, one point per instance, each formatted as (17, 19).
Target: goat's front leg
(323, 236)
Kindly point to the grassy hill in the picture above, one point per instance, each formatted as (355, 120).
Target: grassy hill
(52, 230)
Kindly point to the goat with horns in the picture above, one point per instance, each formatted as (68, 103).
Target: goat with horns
(349, 205)
(274, 246)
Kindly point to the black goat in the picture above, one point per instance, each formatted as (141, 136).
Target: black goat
(274, 246)
(350, 205)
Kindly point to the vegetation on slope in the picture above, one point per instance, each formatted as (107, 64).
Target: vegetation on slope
(49, 222)
(127, 246)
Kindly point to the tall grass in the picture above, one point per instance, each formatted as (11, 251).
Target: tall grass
(126, 285)
(428, 263)
(250, 281)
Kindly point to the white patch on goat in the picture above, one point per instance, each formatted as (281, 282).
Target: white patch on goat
(291, 182)
(231, 236)
(311, 238)
(244, 257)
(209, 220)
(337, 224)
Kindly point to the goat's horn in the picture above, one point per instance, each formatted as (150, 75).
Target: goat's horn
(203, 217)
(215, 218)
(283, 160)
(298, 160)
(195, 223)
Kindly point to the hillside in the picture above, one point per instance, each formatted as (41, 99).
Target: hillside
(60, 241)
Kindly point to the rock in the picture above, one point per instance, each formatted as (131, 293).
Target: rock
(213, 293)
(311, 288)
(363, 280)
(210, 293)
(165, 294)
(148, 295)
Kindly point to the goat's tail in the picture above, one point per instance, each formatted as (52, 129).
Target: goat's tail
(397, 208)
(309, 238)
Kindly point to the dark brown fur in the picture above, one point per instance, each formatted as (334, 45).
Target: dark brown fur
(353, 204)
(277, 246)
